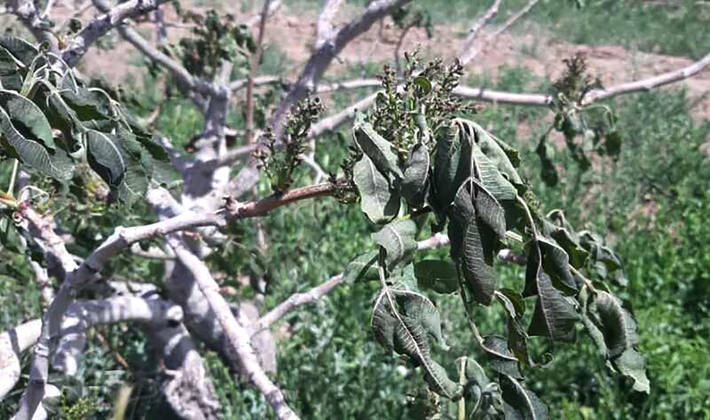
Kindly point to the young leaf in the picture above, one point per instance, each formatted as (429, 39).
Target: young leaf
(439, 276)
(379, 202)
(520, 402)
(397, 238)
(416, 176)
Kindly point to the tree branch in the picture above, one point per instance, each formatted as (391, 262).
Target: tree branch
(254, 66)
(473, 52)
(130, 35)
(476, 28)
(104, 23)
(323, 289)
(237, 337)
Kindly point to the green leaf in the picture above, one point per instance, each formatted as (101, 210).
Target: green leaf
(22, 50)
(406, 329)
(416, 175)
(10, 67)
(450, 171)
(437, 275)
(363, 268)
(500, 358)
(397, 239)
(548, 173)
(489, 210)
(477, 248)
(118, 162)
(380, 151)
(566, 237)
(555, 263)
(28, 137)
(520, 402)
(379, 202)
(554, 316)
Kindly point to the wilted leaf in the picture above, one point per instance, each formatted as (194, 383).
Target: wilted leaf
(416, 175)
(450, 171)
(380, 151)
(437, 275)
(555, 263)
(397, 238)
(521, 403)
(489, 210)
(379, 202)
(477, 247)
(554, 315)
(22, 50)
(500, 358)
(618, 325)
(406, 329)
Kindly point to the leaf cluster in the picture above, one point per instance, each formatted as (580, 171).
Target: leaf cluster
(280, 161)
(424, 162)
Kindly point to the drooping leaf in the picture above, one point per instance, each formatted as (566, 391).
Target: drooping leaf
(27, 137)
(380, 151)
(416, 175)
(555, 263)
(612, 326)
(436, 275)
(477, 248)
(618, 325)
(489, 210)
(406, 329)
(554, 315)
(379, 202)
(397, 238)
(500, 358)
(566, 237)
(520, 402)
(492, 165)
(22, 50)
(448, 172)
(514, 305)
(363, 268)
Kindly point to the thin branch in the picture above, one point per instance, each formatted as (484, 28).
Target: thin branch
(471, 52)
(647, 84)
(258, 81)
(313, 295)
(237, 337)
(130, 35)
(255, 59)
(480, 23)
(104, 23)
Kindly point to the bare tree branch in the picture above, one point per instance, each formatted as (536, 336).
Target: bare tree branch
(130, 35)
(311, 75)
(324, 24)
(12, 343)
(323, 289)
(472, 52)
(476, 28)
(238, 339)
(104, 23)
(273, 7)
